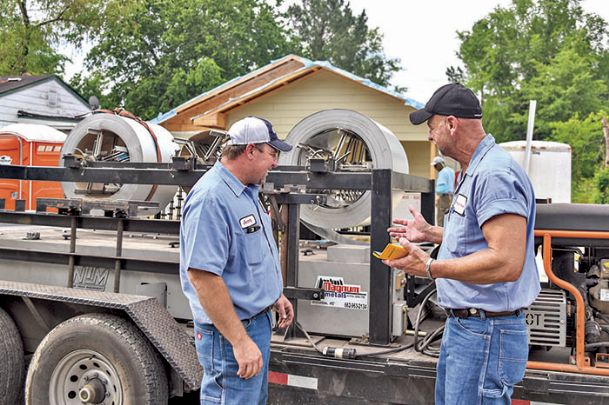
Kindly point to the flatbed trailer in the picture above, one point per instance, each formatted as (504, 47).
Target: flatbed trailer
(38, 255)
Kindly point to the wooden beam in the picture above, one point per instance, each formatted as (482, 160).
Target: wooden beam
(182, 127)
(217, 120)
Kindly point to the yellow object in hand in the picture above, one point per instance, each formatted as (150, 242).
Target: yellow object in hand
(391, 251)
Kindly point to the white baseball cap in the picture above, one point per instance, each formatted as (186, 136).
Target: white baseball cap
(438, 160)
(256, 130)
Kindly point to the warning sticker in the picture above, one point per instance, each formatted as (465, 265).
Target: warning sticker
(604, 294)
(340, 295)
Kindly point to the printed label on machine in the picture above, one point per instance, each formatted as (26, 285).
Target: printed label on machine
(604, 294)
(341, 295)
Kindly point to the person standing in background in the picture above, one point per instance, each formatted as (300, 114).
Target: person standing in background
(445, 186)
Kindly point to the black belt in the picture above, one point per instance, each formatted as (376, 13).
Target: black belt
(264, 311)
(467, 312)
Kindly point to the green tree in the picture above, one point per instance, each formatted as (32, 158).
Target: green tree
(165, 52)
(32, 32)
(600, 195)
(522, 52)
(585, 136)
(565, 87)
(329, 30)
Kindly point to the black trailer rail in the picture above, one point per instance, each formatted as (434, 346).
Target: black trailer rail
(285, 182)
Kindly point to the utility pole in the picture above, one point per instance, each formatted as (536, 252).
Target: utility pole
(606, 134)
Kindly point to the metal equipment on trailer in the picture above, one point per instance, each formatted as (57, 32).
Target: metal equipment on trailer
(88, 300)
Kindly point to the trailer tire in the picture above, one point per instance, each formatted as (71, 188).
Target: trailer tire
(11, 361)
(95, 356)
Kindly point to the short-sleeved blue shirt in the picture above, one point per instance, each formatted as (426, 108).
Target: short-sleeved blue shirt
(226, 231)
(494, 184)
(445, 183)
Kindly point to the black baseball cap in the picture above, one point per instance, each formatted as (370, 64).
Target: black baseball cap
(450, 99)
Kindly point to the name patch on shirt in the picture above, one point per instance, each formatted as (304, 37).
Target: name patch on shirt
(460, 203)
(247, 221)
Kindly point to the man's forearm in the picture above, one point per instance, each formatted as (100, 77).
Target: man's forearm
(482, 267)
(218, 305)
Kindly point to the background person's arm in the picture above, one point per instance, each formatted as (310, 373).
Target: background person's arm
(214, 297)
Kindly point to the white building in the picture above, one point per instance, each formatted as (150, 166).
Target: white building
(46, 100)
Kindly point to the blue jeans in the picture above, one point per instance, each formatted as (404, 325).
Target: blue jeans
(220, 384)
(481, 359)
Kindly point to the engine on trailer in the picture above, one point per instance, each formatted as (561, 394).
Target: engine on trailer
(580, 257)
(588, 270)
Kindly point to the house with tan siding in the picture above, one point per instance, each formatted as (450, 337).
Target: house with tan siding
(290, 89)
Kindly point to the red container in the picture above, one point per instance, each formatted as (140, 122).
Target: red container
(29, 145)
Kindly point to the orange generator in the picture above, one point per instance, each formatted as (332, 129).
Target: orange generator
(29, 145)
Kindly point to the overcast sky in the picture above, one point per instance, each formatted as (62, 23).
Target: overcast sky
(422, 34)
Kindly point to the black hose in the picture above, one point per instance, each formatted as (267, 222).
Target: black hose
(591, 346)
(377, 353)
(425, 346)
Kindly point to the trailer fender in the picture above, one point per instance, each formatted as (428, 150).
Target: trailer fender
(167, 336)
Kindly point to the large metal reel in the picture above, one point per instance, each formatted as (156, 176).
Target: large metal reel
(110, 138)
(359, 143)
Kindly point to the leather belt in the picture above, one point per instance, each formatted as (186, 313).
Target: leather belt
(467, 312)
(264, 311)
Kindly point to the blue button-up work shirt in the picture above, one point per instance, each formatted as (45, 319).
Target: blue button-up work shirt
(226, 231)
(445, 183)
(494, 184)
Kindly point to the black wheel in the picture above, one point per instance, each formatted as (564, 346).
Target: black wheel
(96, 359)
(11, 360)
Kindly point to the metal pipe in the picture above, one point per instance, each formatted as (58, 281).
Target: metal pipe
(72, 250)
(119, 253)
(530, 126)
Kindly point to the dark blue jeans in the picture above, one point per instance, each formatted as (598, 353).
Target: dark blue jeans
(220, 384)
(481, 359)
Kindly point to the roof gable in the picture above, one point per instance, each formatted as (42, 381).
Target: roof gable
(261, 81)
(12, 84)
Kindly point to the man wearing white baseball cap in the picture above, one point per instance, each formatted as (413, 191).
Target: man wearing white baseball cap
(445, 185)
(229, 267)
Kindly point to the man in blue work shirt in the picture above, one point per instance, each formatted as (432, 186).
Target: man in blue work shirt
(445, 185)
(229, 267)
(485, 272)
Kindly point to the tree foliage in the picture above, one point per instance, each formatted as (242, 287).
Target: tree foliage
(553, 52)
(549, 50)
(585, 136)
(165, 52)
(329, 30)
(149, 56)
(32, 32)
(600, 194)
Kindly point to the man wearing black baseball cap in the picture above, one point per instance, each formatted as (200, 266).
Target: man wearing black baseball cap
(485, 271)
(451, 99)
